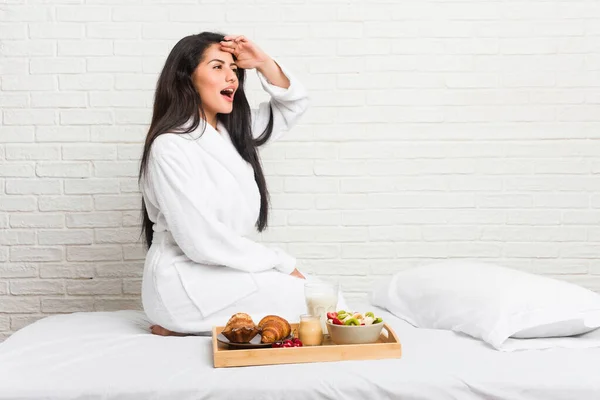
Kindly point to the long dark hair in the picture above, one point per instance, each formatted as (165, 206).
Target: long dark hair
(176, 101)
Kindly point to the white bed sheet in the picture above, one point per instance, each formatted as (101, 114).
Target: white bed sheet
(112, 355)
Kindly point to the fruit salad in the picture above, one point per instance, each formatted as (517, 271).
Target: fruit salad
(349, 318)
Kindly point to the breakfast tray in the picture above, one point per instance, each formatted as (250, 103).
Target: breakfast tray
(388, 346)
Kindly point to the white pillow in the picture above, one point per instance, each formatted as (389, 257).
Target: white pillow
(488, 302)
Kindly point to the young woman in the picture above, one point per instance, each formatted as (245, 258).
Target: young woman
(204, 189)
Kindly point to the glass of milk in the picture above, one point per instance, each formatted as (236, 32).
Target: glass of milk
(321, 298)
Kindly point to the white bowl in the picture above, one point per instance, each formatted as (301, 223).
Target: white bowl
(354, 334)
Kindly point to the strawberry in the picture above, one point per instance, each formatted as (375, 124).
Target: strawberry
(337, 322)
(331, 315)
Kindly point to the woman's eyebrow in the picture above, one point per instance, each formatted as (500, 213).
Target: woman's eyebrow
(221, 61)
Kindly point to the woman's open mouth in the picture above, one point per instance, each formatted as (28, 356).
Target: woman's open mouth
(227, 94)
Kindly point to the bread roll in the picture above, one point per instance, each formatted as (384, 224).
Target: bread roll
(240, 328)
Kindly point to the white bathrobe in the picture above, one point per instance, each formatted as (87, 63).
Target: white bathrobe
(203, 200)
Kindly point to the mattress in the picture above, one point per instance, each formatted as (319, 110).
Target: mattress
(112, 355)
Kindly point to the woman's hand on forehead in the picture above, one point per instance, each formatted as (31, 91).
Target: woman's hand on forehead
(248, 55)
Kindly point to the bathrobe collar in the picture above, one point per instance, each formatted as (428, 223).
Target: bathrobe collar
(219, 146)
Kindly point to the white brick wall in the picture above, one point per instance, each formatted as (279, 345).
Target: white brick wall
(437, 129)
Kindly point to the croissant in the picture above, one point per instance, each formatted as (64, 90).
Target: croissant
(240, 328)
(274, 328)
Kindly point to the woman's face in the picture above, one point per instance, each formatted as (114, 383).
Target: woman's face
(216, 81)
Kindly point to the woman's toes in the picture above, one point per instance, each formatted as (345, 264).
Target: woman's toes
(159, 330)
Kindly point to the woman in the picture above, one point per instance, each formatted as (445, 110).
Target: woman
(204, 189)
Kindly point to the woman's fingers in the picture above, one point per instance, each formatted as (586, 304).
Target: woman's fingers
(236, 38)
(228, 44)
(228, 49)
(297, 274)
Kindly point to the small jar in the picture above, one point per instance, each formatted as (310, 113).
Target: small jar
(310, 332)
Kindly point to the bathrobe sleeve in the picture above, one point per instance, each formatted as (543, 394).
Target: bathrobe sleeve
(288, 105)
(197, 231)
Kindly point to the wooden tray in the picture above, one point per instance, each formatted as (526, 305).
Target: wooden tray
(388, 346)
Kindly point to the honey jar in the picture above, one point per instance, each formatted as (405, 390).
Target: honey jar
(310, 331)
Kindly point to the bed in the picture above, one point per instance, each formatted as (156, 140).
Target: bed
(112, 355)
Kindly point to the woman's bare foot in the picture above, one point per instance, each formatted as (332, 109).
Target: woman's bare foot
(159, 330)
